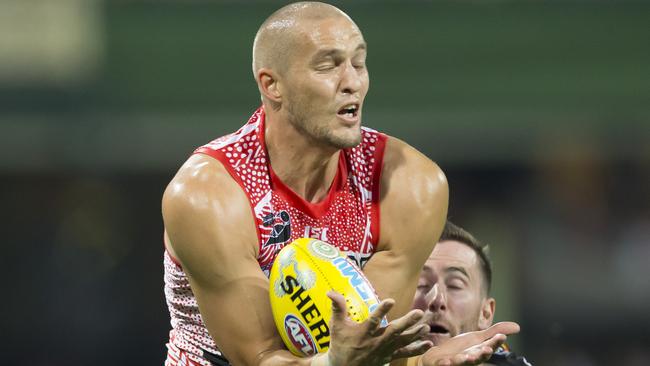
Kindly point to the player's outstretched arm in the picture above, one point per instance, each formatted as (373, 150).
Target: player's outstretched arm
(414, 198)
(211, 232)
(470, 348)
(210, 229)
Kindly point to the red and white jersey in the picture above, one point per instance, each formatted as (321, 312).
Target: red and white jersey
(348, 217)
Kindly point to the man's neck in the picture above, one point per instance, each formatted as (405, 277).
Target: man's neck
(303, 165)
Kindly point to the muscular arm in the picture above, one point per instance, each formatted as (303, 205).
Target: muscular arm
(413, 212)
(211, 231)
(414, 199)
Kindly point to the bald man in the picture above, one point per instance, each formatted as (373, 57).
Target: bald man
(302, 166)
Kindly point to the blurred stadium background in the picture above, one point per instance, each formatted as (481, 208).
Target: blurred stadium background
(538, 111)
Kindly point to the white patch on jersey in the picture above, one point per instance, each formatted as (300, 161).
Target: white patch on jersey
(231, 139)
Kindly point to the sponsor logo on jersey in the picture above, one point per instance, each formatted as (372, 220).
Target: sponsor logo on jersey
(298, 335)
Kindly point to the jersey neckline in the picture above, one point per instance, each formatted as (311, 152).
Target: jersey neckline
(315, 210)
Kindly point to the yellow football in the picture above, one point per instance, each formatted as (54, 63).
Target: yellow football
(302, 274)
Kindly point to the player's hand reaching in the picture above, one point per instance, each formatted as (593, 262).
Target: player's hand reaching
(470, 348)
(368, 343)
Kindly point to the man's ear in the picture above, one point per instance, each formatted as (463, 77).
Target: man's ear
(269, 85)
(487, 313)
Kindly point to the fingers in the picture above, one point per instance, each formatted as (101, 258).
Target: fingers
(477, 355)
(473, 356)
(404, 335)
(374, 320)
(411, 318)
(495, 341)
(415, 348)
(506, 328)
(406, 330)
(339, 312)
(418, 330)
(471, 339)
(487, 348)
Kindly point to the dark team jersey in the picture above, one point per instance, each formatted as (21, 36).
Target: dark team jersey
(504, 357)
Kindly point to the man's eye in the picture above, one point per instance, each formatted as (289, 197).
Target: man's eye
(456, 285)
(325, 67)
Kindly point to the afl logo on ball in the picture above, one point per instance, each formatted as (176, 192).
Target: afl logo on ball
(299, 335)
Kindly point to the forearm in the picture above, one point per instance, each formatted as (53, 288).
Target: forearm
(286, 358)
(393, 277)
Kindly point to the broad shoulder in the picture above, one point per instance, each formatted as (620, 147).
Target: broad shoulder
(202, 183)
(409, 174)
(204, 210)
(414, 191)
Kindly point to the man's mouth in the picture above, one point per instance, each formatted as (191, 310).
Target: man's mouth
(438, 334)
(438, 329)
(349, 111)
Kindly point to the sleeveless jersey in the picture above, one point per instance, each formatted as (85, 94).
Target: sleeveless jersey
(348, 217)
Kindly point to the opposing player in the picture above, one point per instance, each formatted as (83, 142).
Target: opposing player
(301, 166)
(454, 293)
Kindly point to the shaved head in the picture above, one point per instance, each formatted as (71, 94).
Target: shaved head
(280, 32)
(309, 62)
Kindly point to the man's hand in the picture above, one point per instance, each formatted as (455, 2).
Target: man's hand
(368, 343)
(470, 348)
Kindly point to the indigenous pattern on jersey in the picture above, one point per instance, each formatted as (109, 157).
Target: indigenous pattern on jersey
(348, 217)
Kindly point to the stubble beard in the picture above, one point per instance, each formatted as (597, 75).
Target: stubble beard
(469, 326)
(319, 131)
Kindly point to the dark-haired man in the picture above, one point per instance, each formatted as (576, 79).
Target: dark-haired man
(454, 292)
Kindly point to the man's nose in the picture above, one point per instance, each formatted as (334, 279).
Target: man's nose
(438, 300)
(351, 80)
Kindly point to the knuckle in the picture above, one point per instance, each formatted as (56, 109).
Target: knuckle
(391, 332)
